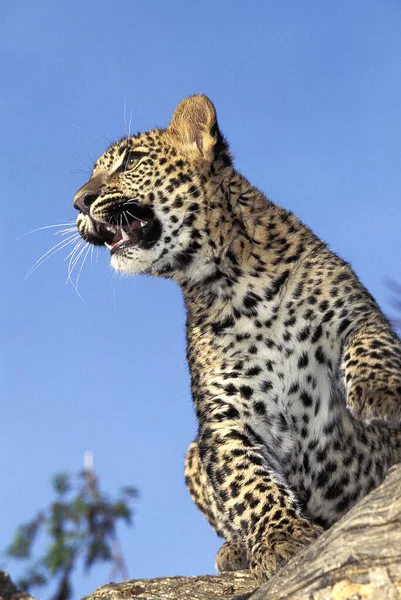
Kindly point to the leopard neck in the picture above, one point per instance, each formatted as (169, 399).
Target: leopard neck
(248, 250)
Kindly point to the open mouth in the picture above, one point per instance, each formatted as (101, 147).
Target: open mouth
(130, 224)
(116, 237)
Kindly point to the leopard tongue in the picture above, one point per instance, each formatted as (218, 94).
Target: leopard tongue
(122, 234)
(119, 236)
(136, 225)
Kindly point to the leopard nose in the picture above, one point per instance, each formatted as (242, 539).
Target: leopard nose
(83, 201)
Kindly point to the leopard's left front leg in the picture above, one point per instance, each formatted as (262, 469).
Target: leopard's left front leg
(253, 497)
(371, 367)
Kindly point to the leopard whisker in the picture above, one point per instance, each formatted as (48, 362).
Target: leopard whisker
(129, 122)
(124, 213)
(88, 168)
(75, 255)
(65, 231)
(93, 157)
(72, 266)
(85, 172)
(56, 248)
(108, 137)
(80, 271)
(70, 223)
(77, 245)
(127, 212)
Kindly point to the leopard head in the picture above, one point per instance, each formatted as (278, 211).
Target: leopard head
(147, 200)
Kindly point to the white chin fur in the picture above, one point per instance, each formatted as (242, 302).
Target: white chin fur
(141, 262)
(122, 264)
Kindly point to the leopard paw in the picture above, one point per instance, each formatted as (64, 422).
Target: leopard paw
(369, 404)
(231, 557)
(276, 549)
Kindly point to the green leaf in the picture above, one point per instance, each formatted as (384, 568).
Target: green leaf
(24, 538)
(120, 509)
(20, 547)
(61, 483)
(129, 491)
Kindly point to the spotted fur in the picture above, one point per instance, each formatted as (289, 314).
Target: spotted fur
(296, 374)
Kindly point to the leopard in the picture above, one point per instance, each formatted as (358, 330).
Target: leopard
(295, 371)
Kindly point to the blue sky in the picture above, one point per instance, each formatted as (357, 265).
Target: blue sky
(308, 95)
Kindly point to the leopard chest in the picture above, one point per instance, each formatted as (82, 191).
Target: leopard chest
(284, 391)
(279, 378)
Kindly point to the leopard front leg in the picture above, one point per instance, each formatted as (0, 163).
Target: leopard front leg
(253, 498)
(232, 554)
(371, 368)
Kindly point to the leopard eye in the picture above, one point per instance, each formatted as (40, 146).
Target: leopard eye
(131, 160)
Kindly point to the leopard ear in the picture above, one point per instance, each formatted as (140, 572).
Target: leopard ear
(194, 125)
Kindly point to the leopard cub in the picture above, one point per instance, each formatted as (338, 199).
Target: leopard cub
(296, 374)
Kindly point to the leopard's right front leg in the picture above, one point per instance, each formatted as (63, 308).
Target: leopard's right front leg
(253, 498)
(232, 554)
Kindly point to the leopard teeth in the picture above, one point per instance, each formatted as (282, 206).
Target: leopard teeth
(124, 234)
(109, 246)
